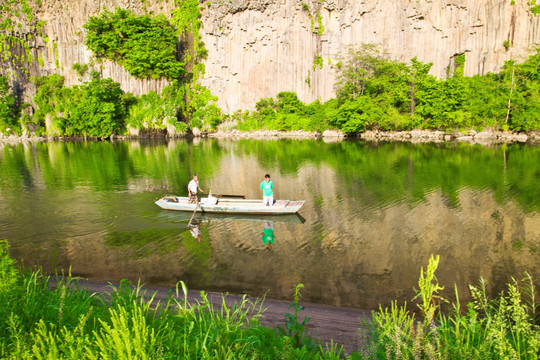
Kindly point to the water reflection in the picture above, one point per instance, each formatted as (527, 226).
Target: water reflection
(180, 216)
(268, 234)
(195, 231)
(373, 215)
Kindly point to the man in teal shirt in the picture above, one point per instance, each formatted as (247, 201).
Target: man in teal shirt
(267, 187)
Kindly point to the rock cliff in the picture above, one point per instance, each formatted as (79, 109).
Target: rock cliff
(257, 48)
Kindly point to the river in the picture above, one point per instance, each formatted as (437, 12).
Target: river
(374, 214)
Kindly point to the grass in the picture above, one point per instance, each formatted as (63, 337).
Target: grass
(68, 322)
(503, 328)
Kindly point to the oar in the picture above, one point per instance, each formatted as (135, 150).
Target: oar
(196, 206)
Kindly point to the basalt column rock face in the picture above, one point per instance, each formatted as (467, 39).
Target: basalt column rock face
(63, 45)
(258, 48)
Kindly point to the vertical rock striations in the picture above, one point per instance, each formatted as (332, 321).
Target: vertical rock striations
(257, 48)
(62, 44)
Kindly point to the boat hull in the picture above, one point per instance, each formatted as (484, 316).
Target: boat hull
(231, 206)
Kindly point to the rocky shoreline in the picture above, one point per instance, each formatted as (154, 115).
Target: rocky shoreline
(413, 136)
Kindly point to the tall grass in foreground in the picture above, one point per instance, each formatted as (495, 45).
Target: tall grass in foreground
(37, 322)
(67, 322)
(504, 328)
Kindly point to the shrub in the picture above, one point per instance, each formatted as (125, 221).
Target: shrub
(9, 117)
(145, 46)
(94, 109)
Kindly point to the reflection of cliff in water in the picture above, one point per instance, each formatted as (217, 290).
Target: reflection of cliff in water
(373, 215)
(360, 262)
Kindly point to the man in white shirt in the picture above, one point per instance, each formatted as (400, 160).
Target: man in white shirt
(192, 187)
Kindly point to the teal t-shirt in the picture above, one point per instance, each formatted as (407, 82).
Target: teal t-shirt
(268, 236)
(267, 188)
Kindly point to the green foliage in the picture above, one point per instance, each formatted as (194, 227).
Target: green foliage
(190, 94)
(144, 45)
(318, 61)
(186, 18)
(150, 111)
(497, 329)
(525, 99)
(428, 289)
(295, 329)
(49, 99)
(411, 98)
(288, 103)
(81, 69)
(9, 112)
(12, 40)
(207, 117)
(94, 109)
(534, 8)
(97, 108)
(319, 23)
(8, 273)
(287, 112)
(355, 68)
(354, 115)
(67, 322)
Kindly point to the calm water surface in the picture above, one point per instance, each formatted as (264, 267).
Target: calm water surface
(374, 213)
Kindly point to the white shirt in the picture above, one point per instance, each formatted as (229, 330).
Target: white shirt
(193, 186)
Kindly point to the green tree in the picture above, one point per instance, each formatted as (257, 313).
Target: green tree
(146, 46)
(50, 99)
(355, 68)
(486, 100)
(524, 101)
(96, 109)
(418, 77)
(288, 103)
(8, 110)
(149, 111)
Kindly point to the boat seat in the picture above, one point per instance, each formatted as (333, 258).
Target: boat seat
(281, 203)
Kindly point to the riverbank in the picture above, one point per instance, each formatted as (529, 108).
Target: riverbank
(327, 323)
(413, 136)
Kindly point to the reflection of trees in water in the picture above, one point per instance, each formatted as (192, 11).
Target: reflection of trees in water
(374, 213)
(383, 172)
(401, 171)
(351, 258)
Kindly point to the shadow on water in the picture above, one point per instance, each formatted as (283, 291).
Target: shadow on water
(179, 216)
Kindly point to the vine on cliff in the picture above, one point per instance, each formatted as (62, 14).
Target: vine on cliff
(8, 109)
(156, 47)
(317, 58)
(13, 15)
(144, 45)
(196, 98)
(535, 9)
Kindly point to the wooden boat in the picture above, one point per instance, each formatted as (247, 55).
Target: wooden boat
(230, 205)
